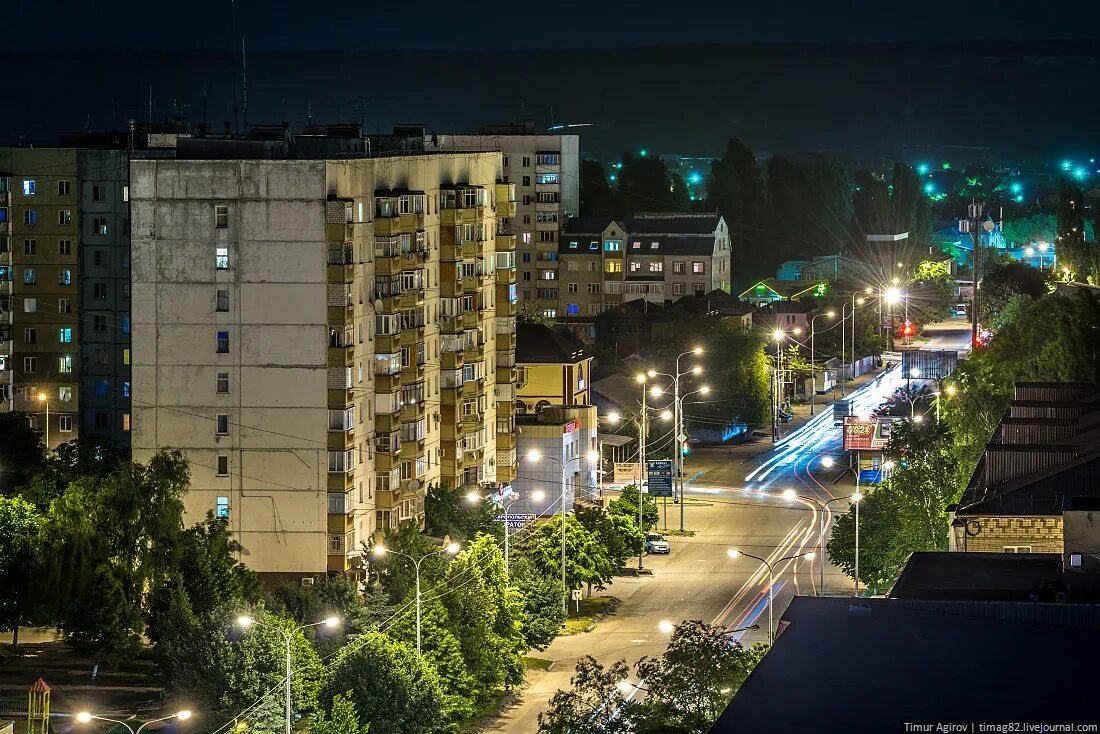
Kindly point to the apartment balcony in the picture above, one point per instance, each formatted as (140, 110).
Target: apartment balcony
(504, 392)
(506, 342)
(341, 356)
(412, 337)
(398, 224)
(411, 298)
(385, 499)
(473, 388)
(339, 231)
(341, 314)
(387, 422)
(506, 359)
(340, 273)
(5, 318)
(340, 398)
(341, 440)
(341, 481)
(451, 361)
(506, 199)
(449, 396)
(470, 320)
(5, 287)
(340, 523)
(411, 450)
(468, 215)
(505, 276)
(414, 411)
(386, 462)
(387, 383)
(506, 375)
(387, 343)
(387, 265)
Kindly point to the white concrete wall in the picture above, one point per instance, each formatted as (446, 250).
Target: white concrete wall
(276, 403)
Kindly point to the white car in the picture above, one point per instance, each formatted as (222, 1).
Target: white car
(656, 543)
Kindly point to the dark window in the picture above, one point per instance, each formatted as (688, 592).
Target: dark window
(223, 342)
(223, 424)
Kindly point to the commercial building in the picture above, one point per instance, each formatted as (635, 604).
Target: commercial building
(656, 257)
(554, 368)
(40, 319)
(325, 334)
(559, 456)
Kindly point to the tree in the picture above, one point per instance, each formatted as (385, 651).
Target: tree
(20, 527)
(106, 542)
(21, 454)
(335, 596)
(908, 513)
(343, 718)
(597, 197)
(1070, 249)
(450, 512)
(627, 504)
(586, 561)
(1002, 283)
(829, 205)
(395, 691)
(397, 570)
(442, 651)
(618, 533)
(224, 669)
(787, 191)
(736, 191)
(645, 184)
(532, 312)
(693, 680)
(486, 617)
(542, 594)
(593, 704)
(1028, 230)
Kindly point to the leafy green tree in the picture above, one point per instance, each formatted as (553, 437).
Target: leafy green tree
(397, 570)
(597, 196)
(586, 561)
(450, 512)
(736, 191)
(395, 691)
(787, 191)
(618, 533)
(1069, 247)
(1002, 283)
(1026, 230)
(627, 504)
(20, 528)
(829, 205)
(224, 669)
(593, 704)
(441, 650)
(906, 514)
(542, 594)
(691, 683)
(335, 596)
(106, 542)
(21, 452)
(343, 719)
(486, 616)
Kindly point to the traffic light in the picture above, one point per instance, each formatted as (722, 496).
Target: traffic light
(685, 449)
(907, 329)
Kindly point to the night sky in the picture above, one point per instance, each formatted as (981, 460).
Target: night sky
(875, 79)
(280, 25)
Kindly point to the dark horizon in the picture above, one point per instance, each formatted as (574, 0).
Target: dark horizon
(682, 98)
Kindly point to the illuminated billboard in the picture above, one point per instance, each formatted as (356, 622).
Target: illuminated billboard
(870, 434)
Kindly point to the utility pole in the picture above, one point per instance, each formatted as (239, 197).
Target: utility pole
(975, 212)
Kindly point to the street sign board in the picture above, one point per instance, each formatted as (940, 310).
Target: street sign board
(577, 593)
(660, 477)
(841, 410)
(516, 520)
(871, 434)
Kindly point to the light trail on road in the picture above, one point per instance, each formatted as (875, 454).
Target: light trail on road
(795, 451)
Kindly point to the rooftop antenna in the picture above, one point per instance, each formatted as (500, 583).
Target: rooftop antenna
(150, 105)
(244, 84)
(309, 112)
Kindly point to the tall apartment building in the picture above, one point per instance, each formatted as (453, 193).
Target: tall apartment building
(324, 338)
(657, 257)
(39, 314)
(546, 172)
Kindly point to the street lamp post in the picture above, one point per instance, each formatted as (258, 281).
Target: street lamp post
(43, 399)
(678, 421)
(535, 455)
(84, 717)
(777, 385)
(472, 496)
(813, 365)
(381, 550)
(704, 390)
(735, 554)
(790, 495)
(244, 622)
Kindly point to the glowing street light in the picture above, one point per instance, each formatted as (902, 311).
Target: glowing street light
(86, 716)
(734, 554)
(381, 550)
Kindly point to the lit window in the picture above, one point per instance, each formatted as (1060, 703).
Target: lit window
(221, 258)
(64, 216)
(65, 335)
(64, 276)
(572, 309)
(221, 506)
(125, 324)
(65, 394)
(99, 225)
(28, 187)
(65, 363)
(101, 388)
(125, 388)
(30, 305)
(29, 276)
(126, 422)
(126, 356)
(698, 268)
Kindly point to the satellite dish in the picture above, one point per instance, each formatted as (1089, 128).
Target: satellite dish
(378, 306)
(414, 484)
(988, 226)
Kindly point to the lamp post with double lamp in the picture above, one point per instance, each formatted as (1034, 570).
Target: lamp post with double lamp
(704, 390)
(535, 455)
(84, 717)
(892, 296)
(667, 627)
(777, 387)
(381, 550)
(678, 420)
(844, 315)
(245, 622)
(813, 365)
(504, 502)
(734, 553)
(790, 495)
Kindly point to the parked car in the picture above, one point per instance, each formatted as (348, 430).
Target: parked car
(785, 417)
(757, 435)
(656, 543)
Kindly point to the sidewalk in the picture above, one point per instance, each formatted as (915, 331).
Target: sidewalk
(801, 411)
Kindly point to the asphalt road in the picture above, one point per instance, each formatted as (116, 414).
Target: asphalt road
(733, 501)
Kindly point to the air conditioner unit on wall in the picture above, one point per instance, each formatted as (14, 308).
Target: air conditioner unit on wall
(307, 581)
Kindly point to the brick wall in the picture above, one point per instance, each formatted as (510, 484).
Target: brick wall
(992, 534)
